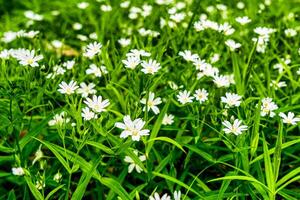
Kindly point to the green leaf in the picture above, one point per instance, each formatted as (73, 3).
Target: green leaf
(203, 154)
(174, 180)
(35, 192)
(54, 191)
(156, 127)
(166, 139)
(56, 153)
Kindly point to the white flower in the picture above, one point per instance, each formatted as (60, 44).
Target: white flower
(18, 171)
(232, 44)
(290, 32)
(150, 67)
(184, 97)
(278, 85)
(38, 155)
(33, 16)
(68, 89)
(177, 195)
(168, 119)
(221, 81)
(83, 5)
(236, 128)
(92, 49)
(231, 99)
(132, 62)
(87, 114)
(243, 20)
(69, 64)
(124, 42)
(97, 104)
(138, 53)
(157, 197)
(133, 165)
(201, 95)
(40, 184)
(97, 71)
(226, 28)
(85, 90)
(151, 103)
(57, 177)
(27, 57)
(106, 8)
(77, 26)
(188, 56)
(267, 107)
(289, 118)
(59, 119)
(132, 128)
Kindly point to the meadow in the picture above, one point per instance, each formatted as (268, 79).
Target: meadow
(154, 99)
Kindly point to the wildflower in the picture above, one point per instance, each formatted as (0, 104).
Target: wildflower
(106, 8)
(59, 119)
(184, 97)
(77, 26)
(57, 177)
(138, 53)
(69, 64)
(236, 128)
(38, 155)
(68, 89)
(87, 114)
(85, 90)
(231, 99)
(132, 62)
(177, 195)
(268, 107)
(150, 67)
(157, 197)
(168, 119)
(290, 32)
(92, 49)
(289, 118)
(151, 103)
(232, 45)
(188, 56)
(243, 20)
(33, 16)
(226, 28)
(133, 165)
(18, 171)
(124, 42)
(201, 95)
(27, 57)
(40, 184)
(97, 104)
(96, 71)
(278, 85)
(132, 128)
(221, 81)
(83, 5)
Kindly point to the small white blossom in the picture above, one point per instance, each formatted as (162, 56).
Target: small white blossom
(92, 49)
(267, 107)
(150, 67)
(68, 89)
(151, 102)
(201, 95)
(184, 97)
(231, 99)
(18, 171)
(97, 103)
(289, 118)
(85, 90)
(132, 128)
(236, 128)
(132, 164)
(168, 119)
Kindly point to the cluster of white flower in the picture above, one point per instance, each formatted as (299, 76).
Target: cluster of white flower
(263, 38)
(133, 59)
(59, 119)
(24, 56)
(176, 16)
(10, 36)
(61, 69)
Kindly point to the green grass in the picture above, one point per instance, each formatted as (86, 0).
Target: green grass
(193, 154)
